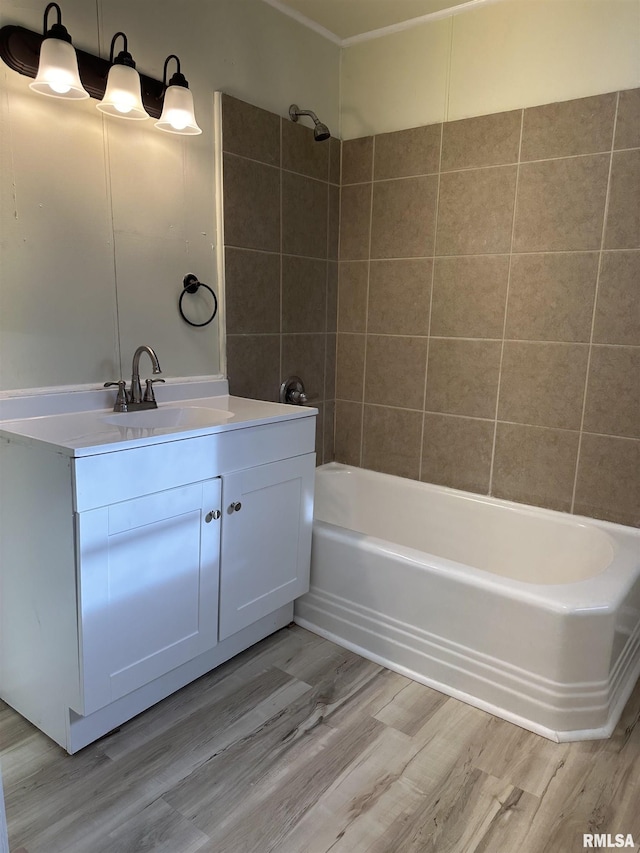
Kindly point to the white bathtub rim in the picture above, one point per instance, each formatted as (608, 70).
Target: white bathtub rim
(563, 736)
(597, 593)
(543, 512)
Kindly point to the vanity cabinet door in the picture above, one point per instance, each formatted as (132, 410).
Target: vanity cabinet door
(148, 588)
(266, 540)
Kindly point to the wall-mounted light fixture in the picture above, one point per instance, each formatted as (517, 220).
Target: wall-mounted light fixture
(123, 95)
(177, 112)
(112, 82)
(58, 74)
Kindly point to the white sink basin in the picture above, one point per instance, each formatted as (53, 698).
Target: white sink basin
(188, 417)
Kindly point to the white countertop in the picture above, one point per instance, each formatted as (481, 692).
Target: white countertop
(87, 433)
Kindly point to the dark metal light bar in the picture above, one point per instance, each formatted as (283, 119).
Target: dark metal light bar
(20, 50)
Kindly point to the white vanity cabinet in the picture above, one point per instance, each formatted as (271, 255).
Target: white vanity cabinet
(148, 573)
(265, 541)
(129, 573)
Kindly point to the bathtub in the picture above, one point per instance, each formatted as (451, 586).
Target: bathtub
(529, 614)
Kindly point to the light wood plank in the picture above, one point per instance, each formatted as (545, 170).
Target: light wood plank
(221, 682)
(104, 792)
(299, 746)
(329, 664)
(26, 749)
(593, 791)
(218, 786)
(521, 757)
(156, 829)
(467, 808)
(411, 708)
(358, 798)
(281, 799)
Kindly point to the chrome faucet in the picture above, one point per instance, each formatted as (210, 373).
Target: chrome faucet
(135, 392)
(133, 399)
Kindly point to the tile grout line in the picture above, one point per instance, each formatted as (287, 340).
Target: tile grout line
(326, 311)
(506, 309)
(523, 341)
(430, 257)
(279, 167)
(339, 275)
(595, 306)
(337, 282)
(457, 416)
(366, 315)
(517, 162)
(433, 275)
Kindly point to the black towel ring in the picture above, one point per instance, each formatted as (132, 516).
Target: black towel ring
(190, 284)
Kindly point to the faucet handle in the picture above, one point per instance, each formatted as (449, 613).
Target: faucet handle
(292, 391)
(121, 400)
(149, 396)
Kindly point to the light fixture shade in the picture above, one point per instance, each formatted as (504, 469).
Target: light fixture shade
(58, 74)
(122, 96)
(177, 112)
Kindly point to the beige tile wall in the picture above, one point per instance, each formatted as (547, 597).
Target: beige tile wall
(489, 305)
(281, 207)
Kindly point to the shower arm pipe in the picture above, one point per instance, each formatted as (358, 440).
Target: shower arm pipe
(297, 113)
(321, 131)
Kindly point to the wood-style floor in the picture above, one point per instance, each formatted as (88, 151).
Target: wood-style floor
(298, 746)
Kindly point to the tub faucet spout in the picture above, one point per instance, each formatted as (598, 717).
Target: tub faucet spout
(136, 391)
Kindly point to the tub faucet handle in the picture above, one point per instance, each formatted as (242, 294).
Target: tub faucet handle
(292, 392)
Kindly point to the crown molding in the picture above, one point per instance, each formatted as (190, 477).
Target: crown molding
(409, 24)
(307, 22)
(449, 12)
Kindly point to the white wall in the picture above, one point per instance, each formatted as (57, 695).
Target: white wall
(100, 219)
(501, 56)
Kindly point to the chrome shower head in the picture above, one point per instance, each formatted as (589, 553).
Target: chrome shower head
(320, 131)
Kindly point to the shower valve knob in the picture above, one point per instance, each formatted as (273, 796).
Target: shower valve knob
(299, 398)
(292, 392)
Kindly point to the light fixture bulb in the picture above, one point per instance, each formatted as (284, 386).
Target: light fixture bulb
(122, 96)
(59, 87)
(177, 112)
(58, 74)
(178, 119)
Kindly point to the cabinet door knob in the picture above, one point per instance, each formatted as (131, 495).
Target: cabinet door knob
(210, 516)
(236, 506)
